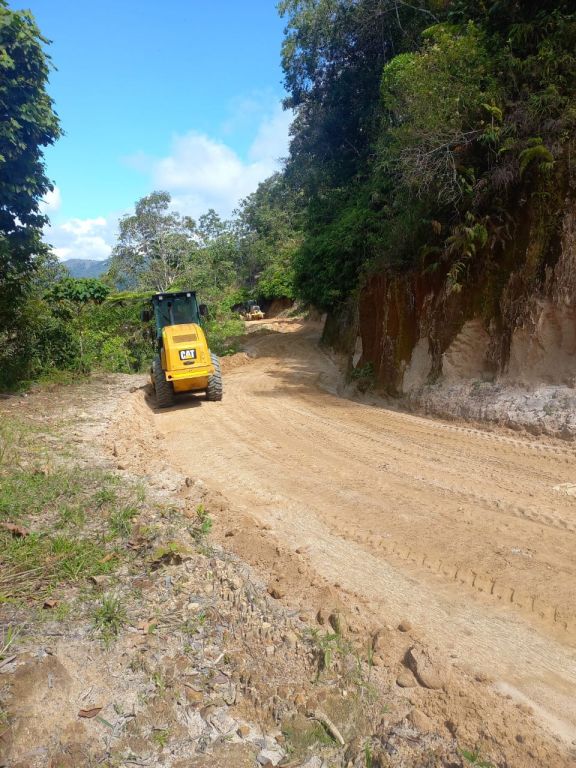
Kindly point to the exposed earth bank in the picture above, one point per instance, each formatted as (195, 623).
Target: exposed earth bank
(499, 346)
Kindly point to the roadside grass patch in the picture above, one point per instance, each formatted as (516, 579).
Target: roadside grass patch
(33, 566)
(58, 524)
(8, 638)
(72, 517)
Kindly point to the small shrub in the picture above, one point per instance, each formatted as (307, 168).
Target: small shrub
(161, 737)
(474, 759)
(114, 356)
(203, 525)
(223, 334)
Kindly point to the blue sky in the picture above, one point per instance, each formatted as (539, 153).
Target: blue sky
(182, 96)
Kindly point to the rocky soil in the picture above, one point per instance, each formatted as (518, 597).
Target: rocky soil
(536, 410)
(210, 668)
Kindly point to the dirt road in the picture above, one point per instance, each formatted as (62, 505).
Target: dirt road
(468, 534)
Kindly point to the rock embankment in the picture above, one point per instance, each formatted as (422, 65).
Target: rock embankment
(501, 348)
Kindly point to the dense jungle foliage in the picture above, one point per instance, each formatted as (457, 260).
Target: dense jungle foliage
(424, 133)
(422, 129)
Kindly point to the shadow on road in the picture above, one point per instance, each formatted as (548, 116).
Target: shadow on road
(183, 402)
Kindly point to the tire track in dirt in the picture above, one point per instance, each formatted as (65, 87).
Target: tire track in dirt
(488, 583)
(447, 524)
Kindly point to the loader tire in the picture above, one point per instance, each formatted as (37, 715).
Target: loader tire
(214, 389)
(163, 388)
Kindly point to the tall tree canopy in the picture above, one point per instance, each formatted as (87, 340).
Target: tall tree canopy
(153, 246)
(269, 229)
(421, 127)
(27, 124)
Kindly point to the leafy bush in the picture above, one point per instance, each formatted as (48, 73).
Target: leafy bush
(223, 332)
(68, 329)
(437, 103)
(114, 355)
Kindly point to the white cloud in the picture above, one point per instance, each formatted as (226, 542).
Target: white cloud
(202, 172)
(271, 142)
(51, 202)
(82, 227)
(82, 238)
(247, 112)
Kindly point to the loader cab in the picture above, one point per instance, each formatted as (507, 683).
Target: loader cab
(176, 309)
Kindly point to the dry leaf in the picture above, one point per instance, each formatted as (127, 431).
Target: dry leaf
(7, 661)
(147, 626)
(100, 579)
(92, 712)
(107, 557)
(15, 530)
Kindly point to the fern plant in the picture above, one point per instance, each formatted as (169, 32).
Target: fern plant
(463, 244)
(536, 153)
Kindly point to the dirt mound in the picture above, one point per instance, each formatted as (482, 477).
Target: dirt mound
(231, 362)
(280, 307)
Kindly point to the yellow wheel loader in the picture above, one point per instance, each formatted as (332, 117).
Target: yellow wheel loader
(184, 362)
(253, 313)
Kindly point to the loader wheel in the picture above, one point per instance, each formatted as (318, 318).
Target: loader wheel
(163, 389)
(214, 389)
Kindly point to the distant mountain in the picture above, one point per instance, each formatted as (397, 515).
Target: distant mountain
(86, 267)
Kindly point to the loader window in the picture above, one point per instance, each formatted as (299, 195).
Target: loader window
(176, 310)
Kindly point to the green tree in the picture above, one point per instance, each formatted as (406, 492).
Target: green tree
(437, 104)
(421, 129)
(79, 290)
(269, 228)
(211, 226)
(211, 269)
(332, 56)
(28, 123)
(154, 245)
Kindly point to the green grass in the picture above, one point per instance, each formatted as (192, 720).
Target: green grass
(32, 566)
(109, 616)
(120, 521)
(7, 640)
(194, 624)
(73, 517)
(300, 740)
(160, 737)
(73, 493)
(105, 497)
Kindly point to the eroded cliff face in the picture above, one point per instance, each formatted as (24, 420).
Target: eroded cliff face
(511, 325)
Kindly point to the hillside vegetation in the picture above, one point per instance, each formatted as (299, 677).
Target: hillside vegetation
(423, 131)
(428, 136)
